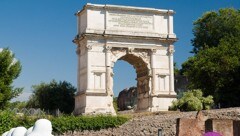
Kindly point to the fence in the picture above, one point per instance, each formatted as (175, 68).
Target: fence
(36, 112)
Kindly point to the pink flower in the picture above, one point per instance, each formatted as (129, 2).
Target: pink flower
(212, 134)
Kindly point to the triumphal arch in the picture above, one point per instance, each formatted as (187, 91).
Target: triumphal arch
(143, 37)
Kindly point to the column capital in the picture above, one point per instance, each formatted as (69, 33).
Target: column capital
(89, 46)
(171, 50)
(108, 48)
(153, 51)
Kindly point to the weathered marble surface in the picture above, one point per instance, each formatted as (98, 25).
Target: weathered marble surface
(143, 37)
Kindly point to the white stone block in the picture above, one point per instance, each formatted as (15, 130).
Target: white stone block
(161, 104)
(5, 133)
(29, 131)
(19, 131)
(10, 132)
(42, 127)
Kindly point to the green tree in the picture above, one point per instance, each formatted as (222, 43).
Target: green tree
(192, 101)
(215, 67)
(9, 70)
(52, 96)
(213, 26)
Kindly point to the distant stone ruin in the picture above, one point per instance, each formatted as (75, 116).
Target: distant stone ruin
(127, 99)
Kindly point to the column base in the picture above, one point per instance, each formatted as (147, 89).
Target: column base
(86, 104)
(162, 102)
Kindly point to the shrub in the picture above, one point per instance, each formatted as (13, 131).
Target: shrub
(115, 106)
(26, 121)
(6, 121)
(10, 120)
(192, 101)
(63, 123)
(71, 123)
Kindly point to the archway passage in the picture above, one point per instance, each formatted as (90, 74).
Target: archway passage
(142, 73)
(124, 76)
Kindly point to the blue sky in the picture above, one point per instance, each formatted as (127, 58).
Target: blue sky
(40, 33)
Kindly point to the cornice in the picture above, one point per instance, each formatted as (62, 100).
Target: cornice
(106, 36)
(125, 8)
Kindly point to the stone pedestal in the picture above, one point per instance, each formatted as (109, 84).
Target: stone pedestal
(94, 104)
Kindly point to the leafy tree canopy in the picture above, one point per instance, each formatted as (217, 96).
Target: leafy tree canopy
(213, 26)
(215, 67)
(10, 69)
(52, 96)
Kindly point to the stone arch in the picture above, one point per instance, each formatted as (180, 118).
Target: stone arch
(140, 40)
(118, 53)
(140, 60)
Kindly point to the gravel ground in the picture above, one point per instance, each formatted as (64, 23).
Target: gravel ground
(147, 124)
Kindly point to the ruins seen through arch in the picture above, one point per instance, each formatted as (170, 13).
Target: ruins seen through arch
(143, 37)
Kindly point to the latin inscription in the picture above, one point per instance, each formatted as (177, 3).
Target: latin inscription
(134, 21)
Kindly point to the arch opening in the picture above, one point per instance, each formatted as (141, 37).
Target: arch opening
(136, 97)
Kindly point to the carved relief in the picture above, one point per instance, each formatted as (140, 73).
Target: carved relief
(81, 46)
(130, 50)
(117, 53)
(143, 85)
(142, 73)
(109, 81)
(143, 54)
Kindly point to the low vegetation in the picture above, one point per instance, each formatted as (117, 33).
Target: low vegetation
(79, 123)
(192, 101)
(62, 124)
